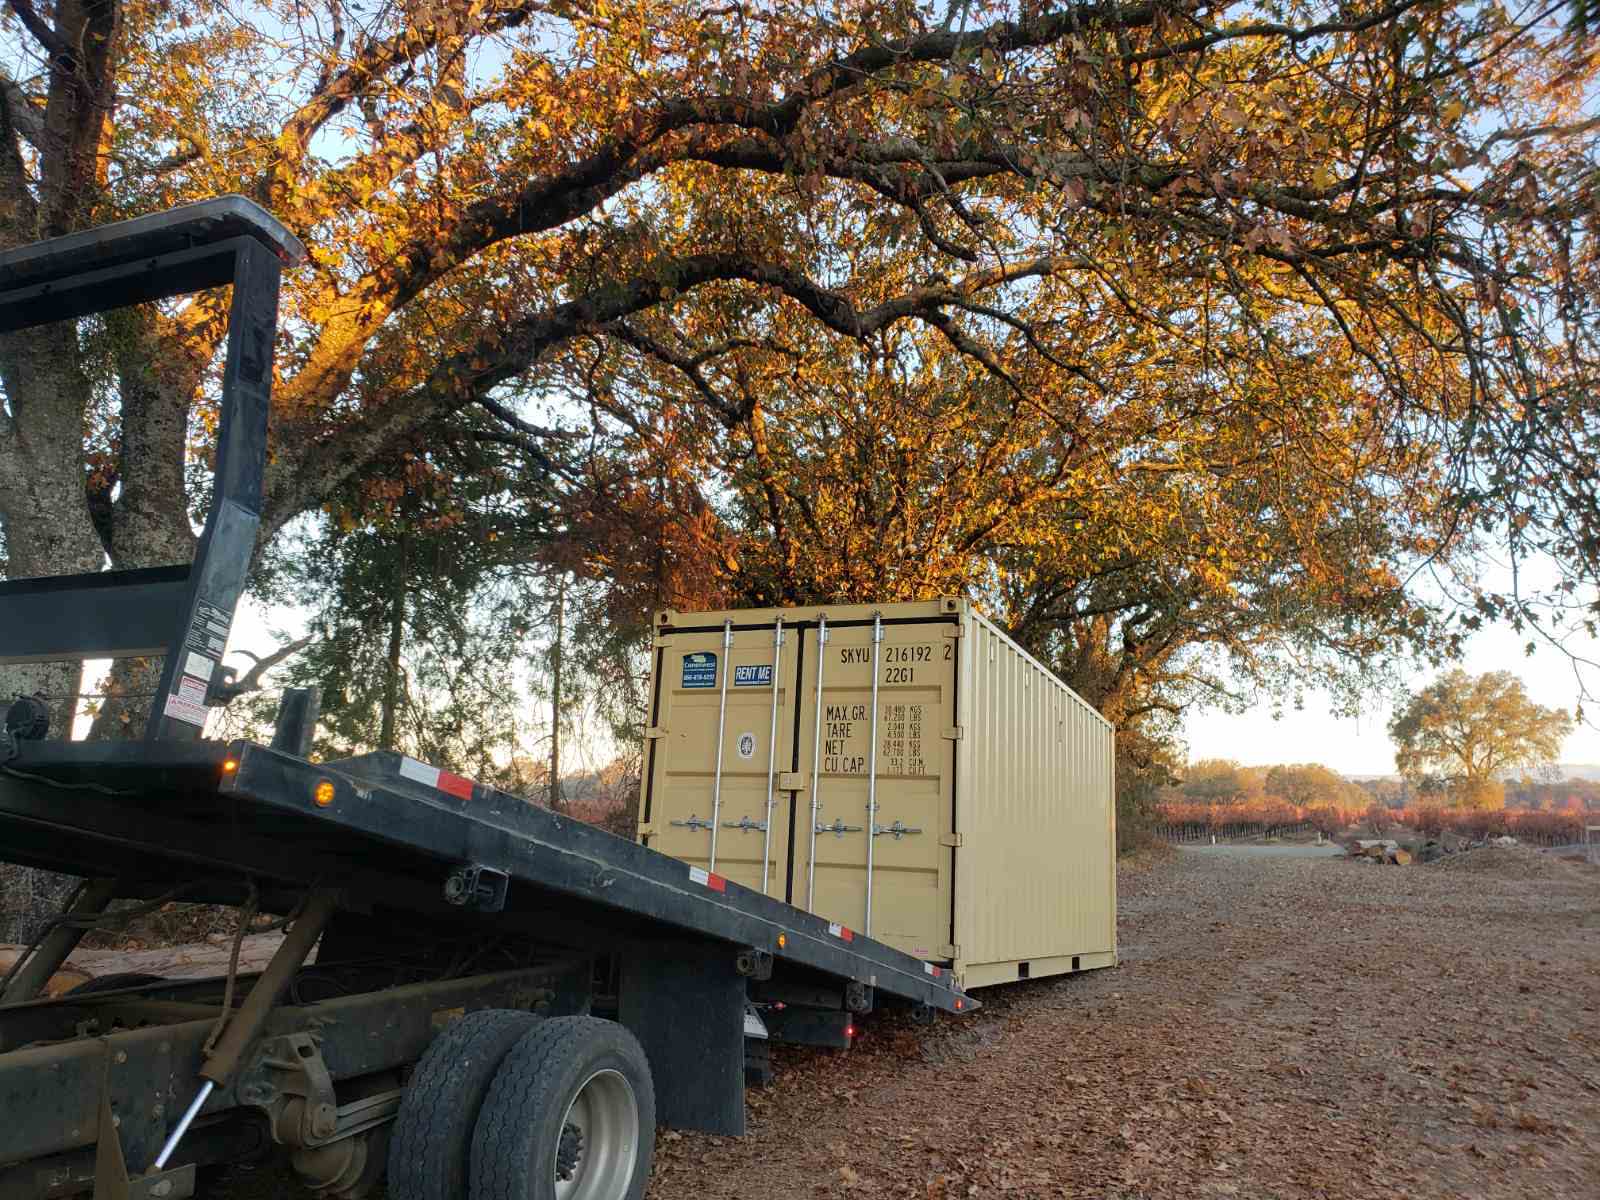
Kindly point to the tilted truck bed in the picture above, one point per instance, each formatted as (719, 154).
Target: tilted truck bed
(397, 829)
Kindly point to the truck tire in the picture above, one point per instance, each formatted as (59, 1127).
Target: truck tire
(432, 1140)
(571, 1115)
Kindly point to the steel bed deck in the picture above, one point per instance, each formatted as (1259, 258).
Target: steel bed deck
(150, 811)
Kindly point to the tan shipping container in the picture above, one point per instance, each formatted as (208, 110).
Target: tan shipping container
(993, 845)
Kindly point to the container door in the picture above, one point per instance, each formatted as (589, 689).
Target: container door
(910, 864)
(703, 685)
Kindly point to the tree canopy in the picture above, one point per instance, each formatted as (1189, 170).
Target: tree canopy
(1164, 328)
(1466, 730)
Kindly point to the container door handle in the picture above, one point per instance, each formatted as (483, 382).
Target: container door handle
(746, 824)
(693, 822)
(722, 726)
(838, 829)
(896, 831)
(772, 750)
(872, 760)
(816, 763)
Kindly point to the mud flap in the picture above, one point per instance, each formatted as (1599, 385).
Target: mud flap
(684, 1001)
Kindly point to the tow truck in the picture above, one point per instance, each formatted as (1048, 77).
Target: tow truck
(474, 996)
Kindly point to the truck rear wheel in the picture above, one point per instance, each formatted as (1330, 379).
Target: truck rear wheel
(571, 1115)
(432, 1140)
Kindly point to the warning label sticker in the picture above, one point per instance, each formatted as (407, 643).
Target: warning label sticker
(747, 745)
(186, 711)
(199, 664)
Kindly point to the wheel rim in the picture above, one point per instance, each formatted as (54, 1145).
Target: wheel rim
(599, 1140)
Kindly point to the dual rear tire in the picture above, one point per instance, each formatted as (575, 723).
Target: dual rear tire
(509, 1106)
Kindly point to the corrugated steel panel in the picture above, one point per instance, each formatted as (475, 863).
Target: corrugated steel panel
(991, 847)
(1035, 875)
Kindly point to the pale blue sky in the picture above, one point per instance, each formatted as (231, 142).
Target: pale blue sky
(1361, 745)
(1351, 746)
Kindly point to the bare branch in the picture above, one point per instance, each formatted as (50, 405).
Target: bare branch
(20, 112)
(56, 46)
(250, 681)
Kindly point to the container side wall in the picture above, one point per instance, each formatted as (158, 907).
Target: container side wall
(1036, 865)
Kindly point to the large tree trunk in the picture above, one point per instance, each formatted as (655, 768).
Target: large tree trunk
(44, 511)
(148, 524)
(44, 508)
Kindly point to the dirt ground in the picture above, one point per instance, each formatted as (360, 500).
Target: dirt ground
(1280, 1027)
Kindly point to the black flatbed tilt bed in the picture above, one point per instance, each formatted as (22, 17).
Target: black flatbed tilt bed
(179, 808)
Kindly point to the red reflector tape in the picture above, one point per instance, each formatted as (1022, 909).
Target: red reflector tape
(842, 933)
(455, 785)
(421, 772)
(706, 879)
(931, 970)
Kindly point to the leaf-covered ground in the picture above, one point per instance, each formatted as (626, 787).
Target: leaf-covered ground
(1280, 1027)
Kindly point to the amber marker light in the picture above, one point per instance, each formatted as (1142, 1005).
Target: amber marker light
(230, 765)
(783, 940)
(324, 793)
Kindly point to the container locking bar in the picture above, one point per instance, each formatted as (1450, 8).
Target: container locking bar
(772, 751)
(816, 763)
(722, 725)
(872, 764)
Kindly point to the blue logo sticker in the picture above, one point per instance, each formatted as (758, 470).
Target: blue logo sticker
(700, 670)
(753, 676)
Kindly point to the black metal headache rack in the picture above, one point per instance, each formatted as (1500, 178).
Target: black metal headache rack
(183, 611)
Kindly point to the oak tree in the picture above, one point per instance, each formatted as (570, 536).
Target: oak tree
(1469, 729)
(1224, 318)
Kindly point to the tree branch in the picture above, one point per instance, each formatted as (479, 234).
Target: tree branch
(56, 46)
(23, 117)
(500, 355)
(250, 681)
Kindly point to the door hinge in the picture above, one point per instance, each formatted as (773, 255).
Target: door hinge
(955, 733)
(791, 781)
(950, 839)
(655, 731)
(647, 831)
(950, 951)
